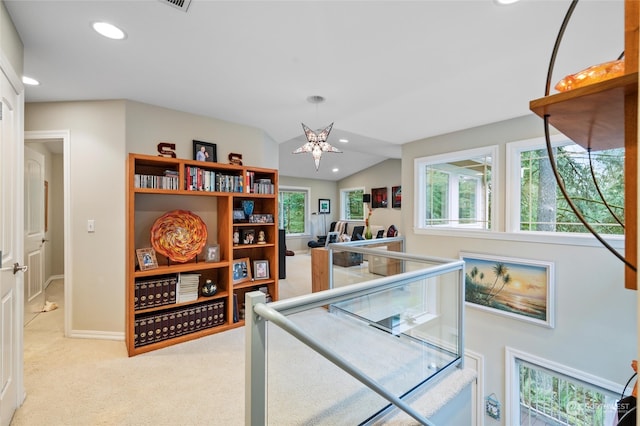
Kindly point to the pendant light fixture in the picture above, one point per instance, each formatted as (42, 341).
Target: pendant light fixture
(316, 140)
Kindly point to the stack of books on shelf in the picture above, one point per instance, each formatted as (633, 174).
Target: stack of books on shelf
(188, 285)
(175, 322)
(168, 181)
(156, 291)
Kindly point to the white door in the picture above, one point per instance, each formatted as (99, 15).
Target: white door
(11, 232)
(33, 233)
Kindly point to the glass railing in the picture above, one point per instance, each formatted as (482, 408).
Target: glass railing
(347, 355)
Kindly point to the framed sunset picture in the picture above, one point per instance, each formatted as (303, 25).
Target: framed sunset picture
(520, 289)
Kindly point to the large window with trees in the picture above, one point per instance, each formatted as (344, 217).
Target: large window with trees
(293, 205)
(593, 180)
(351, 205)
(455, 190)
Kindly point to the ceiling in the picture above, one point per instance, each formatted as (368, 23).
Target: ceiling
(392, 72)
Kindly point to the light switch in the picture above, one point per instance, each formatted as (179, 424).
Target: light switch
(91, 225)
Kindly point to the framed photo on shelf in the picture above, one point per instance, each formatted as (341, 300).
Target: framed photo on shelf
(324, 206)
(147, 258)
(241, 270)
(520, 289)
(261, 218)
(396, 197)
(248, 236)
(205, 151)
(378, 198)
(238, 215)
(260, 269)
(212, 253)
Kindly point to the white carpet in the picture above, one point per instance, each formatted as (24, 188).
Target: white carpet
(201, 382)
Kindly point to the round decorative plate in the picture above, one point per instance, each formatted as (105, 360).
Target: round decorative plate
(179, 235)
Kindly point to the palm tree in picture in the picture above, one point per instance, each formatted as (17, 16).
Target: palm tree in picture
(506, 279)
(499, 270)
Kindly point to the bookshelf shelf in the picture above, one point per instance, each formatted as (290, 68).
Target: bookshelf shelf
(212, 191)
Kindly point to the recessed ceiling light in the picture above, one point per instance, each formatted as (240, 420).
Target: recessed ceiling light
(343, 140)
(109, 30)
(506, 1)
(335, 170)
(30, 81)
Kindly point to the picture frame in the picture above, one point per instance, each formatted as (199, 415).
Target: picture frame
(241, 271)
(520, 289)
(248, 236)
(238, 216)
(332, 237)
(205, 151)
(212, 253)
(379, 198)
(396, 197)
(324, 206)
(260, 269)
(147, 258)
(261, 218)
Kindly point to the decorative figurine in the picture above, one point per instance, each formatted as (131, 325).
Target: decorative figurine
(209, 288)
(261, 238)
(236, 237)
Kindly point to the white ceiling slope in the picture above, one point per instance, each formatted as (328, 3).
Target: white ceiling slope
(392, 72)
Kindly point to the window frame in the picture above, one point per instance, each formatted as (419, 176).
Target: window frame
(344, 192)
(513, 195)
(420, 166)
(307, 221)
(512, 380)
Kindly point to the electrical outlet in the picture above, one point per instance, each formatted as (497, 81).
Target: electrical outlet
(91, 225)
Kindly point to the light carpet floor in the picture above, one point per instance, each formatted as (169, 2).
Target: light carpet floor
(201, 382)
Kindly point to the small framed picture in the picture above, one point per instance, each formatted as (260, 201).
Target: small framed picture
(248, 236)
(379, 198)
(212, 253)
(205, 151)
(147, 258)
(324, 206)
(241, 271)
(238, 215)
(260, 269)
(396, 197)
(261, 218)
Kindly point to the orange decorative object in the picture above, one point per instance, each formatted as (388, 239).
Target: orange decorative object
(179, 235)
(593, 74)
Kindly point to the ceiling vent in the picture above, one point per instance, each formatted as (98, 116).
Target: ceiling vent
(183, 5)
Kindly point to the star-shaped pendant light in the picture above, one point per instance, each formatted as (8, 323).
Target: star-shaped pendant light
(316, 143)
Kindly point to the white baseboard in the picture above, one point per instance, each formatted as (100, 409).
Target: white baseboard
(95, 334)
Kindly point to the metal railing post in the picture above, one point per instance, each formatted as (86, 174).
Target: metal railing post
(255, 400)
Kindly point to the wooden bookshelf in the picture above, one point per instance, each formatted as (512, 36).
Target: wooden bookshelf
(163, 185)
(605, 116)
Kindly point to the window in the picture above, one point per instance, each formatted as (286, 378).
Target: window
(351, 205)
(537, 202)
(293, 205)
(543, 392)
(455, 190)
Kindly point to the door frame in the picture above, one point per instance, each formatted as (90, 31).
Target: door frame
(65, 136)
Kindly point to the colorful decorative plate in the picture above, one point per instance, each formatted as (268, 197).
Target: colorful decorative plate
(179, 235)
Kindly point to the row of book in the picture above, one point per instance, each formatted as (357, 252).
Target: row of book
(198, 179)
(156, 291)
(168, 181)
(156, 327)
(259, 186)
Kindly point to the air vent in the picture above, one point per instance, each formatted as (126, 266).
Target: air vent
(183, 5)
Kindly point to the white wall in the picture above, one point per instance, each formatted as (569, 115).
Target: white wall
(102, 133)
(595, 316)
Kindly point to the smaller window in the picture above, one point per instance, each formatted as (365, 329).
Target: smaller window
(537, 203)
(352, 207)
(293, 205)
(455, 190)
